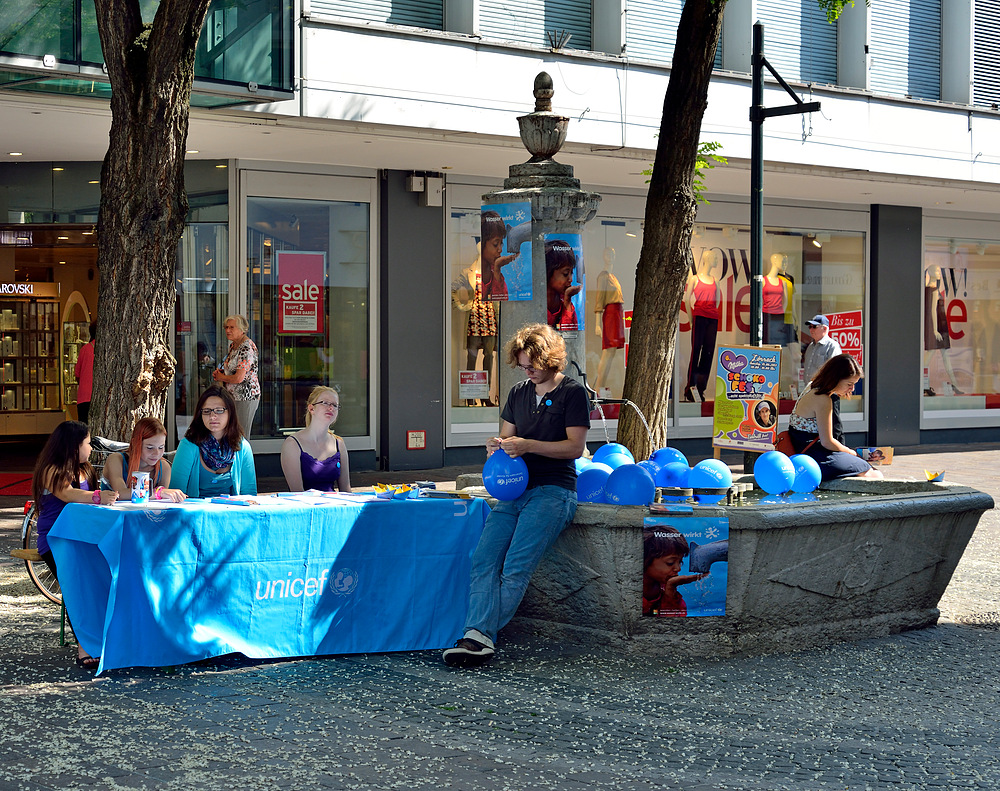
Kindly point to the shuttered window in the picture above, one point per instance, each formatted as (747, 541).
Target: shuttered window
(412, 13)
(906, 48)
(986, 44)
(798, 41)
(651, 29)
(528, 21)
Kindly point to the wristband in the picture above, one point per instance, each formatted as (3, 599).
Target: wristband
(96, 497)
(156, 493)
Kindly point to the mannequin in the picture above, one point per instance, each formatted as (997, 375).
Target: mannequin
(481, 323)
(704, 302)
(777, 301)
(610, 323)
(936, 332)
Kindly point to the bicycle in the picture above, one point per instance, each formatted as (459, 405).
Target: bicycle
(38, 571)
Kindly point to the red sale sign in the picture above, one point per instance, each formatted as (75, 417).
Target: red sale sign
(301, 279)
(847, 330)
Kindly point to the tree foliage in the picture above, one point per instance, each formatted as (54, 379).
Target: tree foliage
(143, 205)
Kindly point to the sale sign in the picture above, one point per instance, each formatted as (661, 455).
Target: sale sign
(847, 330)
(301, 281)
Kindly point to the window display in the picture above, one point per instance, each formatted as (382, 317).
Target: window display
(961, 317)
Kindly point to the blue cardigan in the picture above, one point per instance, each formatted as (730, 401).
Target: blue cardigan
(187, 467)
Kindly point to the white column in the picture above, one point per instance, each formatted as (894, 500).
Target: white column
(956, 51)
(853, 38)
(608, 26)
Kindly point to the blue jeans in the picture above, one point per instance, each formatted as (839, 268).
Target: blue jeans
(516, 535)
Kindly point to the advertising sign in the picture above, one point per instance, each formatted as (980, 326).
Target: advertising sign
(564, 281)
(301, 290)
(847, 330)
(505, 251)
(473, 384)
(746, 397)
(685, 569)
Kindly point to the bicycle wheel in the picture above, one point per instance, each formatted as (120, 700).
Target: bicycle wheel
(38, 571)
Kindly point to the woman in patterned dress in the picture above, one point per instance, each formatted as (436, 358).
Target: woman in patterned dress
(238, 371)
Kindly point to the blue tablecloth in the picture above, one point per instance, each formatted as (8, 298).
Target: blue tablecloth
(164, 587)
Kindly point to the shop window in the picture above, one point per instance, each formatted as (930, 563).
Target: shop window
(961, 319)
(309, 270)
(473, 339)
(805, 272)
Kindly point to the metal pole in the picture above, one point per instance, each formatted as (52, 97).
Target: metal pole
(757, 189)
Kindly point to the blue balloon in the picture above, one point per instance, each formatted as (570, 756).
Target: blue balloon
(615, 460)
(630, 484)
(582, 463)
(673, 473)
(590, 483)
(667, 455)
(710, 474)
(612, 447)
(649, 466)
(774, 472)
(505, 478)
(807, 473)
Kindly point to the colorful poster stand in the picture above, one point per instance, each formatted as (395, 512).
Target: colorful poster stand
(505, 251)
(746, 397)
(564, 281)
(685, 565)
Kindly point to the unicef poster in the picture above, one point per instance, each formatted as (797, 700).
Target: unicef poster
(506, 251)
(685, 568)
(746, 397)
(564, 281)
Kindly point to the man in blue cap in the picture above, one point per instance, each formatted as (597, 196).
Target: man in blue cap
(822, 348)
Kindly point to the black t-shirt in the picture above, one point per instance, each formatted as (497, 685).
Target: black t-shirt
(566, 405)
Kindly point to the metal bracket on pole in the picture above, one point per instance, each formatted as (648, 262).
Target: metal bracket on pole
(758, 114)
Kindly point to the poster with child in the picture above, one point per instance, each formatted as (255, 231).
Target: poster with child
(505, 251)
(564, 281)
(685, 569)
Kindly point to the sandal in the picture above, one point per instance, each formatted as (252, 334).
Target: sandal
(88, 662)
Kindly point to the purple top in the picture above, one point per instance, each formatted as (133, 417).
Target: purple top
(48, 511)
(320, 475)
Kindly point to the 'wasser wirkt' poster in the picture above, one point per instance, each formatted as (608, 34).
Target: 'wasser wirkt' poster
(746, 397)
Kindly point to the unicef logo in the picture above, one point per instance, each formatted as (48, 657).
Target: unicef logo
(343, 582)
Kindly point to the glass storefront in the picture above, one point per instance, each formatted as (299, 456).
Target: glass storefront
(806, 272)
(309, 269)
(961, 320)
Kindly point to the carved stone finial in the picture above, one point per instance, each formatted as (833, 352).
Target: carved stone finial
(543, 93)
(543, 132)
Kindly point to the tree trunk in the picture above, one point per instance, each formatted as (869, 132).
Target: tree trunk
(671, 208)
(143, 206)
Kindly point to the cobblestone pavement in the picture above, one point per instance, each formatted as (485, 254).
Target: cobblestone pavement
(912, 711)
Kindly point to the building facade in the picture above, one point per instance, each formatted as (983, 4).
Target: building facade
(340, 151)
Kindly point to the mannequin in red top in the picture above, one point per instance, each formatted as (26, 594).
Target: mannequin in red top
(704, 302)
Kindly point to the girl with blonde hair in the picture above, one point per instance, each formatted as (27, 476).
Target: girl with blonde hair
(315, 457)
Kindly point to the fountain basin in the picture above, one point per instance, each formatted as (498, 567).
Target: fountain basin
(800, 575)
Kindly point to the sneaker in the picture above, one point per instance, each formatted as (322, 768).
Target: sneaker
(468, 653)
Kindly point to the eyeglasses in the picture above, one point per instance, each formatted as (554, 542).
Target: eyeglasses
(528, 369)
(217, 411)
(326, 403)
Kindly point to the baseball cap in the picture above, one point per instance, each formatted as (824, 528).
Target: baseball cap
(817, 320)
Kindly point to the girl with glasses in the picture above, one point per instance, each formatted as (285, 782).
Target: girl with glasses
(214, 457)
(315, 457)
